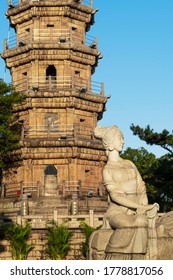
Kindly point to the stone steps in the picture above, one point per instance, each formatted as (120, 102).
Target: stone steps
(47, 205)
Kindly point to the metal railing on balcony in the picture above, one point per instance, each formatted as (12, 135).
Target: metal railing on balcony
(50, 36)
(83, 188)
(29, 189)
(59, 131)
(49, 83)
(13, 3)
(68, 188)
(19, 189)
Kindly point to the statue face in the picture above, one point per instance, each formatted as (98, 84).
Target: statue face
(118, 142)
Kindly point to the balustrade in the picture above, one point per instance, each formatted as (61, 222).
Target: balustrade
(53, 83)
(19, 189)
(50, 36)
(69, 188)
(83, 188)
(41, 221)
(58, 131)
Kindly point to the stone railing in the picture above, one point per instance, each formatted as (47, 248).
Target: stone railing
(43, 221)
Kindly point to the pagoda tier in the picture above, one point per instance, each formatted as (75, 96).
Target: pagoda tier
(52, 59)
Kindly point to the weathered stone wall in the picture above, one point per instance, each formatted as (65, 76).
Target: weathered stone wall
(39, 239)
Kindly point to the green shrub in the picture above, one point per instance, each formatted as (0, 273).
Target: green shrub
(87, 230)
(58, 241)
(18, 236)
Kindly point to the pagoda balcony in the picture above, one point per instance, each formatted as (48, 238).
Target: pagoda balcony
(83, 188)
(14, 3)
(59, 83)
(50, 36)
(63, 188)
(58, 132)
(17, 189)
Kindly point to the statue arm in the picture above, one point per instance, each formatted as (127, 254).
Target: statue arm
(116, 194)
(141, 190)
(123, 200)
(120, 197)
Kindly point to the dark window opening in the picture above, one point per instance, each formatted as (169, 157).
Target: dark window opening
(77, 73)
(51, 72)
(82, 120)
(87, 171)
(50, 170)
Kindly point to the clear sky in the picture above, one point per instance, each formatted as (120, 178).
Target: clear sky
(136, 41)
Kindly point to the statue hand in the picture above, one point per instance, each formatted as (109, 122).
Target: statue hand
(153, 211)
(144, 208)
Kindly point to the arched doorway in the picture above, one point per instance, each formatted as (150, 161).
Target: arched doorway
(51, 71)
(51, 75)
(50, 180)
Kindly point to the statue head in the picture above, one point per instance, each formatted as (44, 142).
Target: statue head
(111, 137)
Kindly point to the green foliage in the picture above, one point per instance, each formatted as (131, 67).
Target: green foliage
(141, 158)
(18, 236)
(146, 163)
(58, 241)
(156, 172)
(9, 123)
(163, 180)
(87, 230)
(163, 139)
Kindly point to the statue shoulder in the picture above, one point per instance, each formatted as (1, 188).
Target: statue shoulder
(129, 162)
(108, 170)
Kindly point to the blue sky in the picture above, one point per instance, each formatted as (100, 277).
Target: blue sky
(136, 41)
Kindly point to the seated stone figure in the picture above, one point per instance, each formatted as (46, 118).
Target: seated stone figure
(128, 230)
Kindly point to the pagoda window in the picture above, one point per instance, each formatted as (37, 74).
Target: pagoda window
(50, 179)
(50, 25)
(25, 74)
(51, 72)
(50, 170)
(74, 28)
(82, 120)
(77, 73)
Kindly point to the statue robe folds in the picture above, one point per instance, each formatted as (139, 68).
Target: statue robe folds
(126, 233)
(132, 229)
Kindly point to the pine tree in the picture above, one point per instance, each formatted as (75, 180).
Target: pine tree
(160, 174)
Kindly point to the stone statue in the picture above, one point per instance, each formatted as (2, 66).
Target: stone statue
(129, 230)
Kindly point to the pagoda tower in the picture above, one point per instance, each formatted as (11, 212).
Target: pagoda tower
(51, 59)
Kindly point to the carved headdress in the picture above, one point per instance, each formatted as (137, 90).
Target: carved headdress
(107, 134)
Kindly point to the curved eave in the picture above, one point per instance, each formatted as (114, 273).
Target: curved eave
(47, 46)
(87, 13)
(82, 54)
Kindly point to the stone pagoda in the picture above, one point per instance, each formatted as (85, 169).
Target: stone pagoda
(51, 59)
